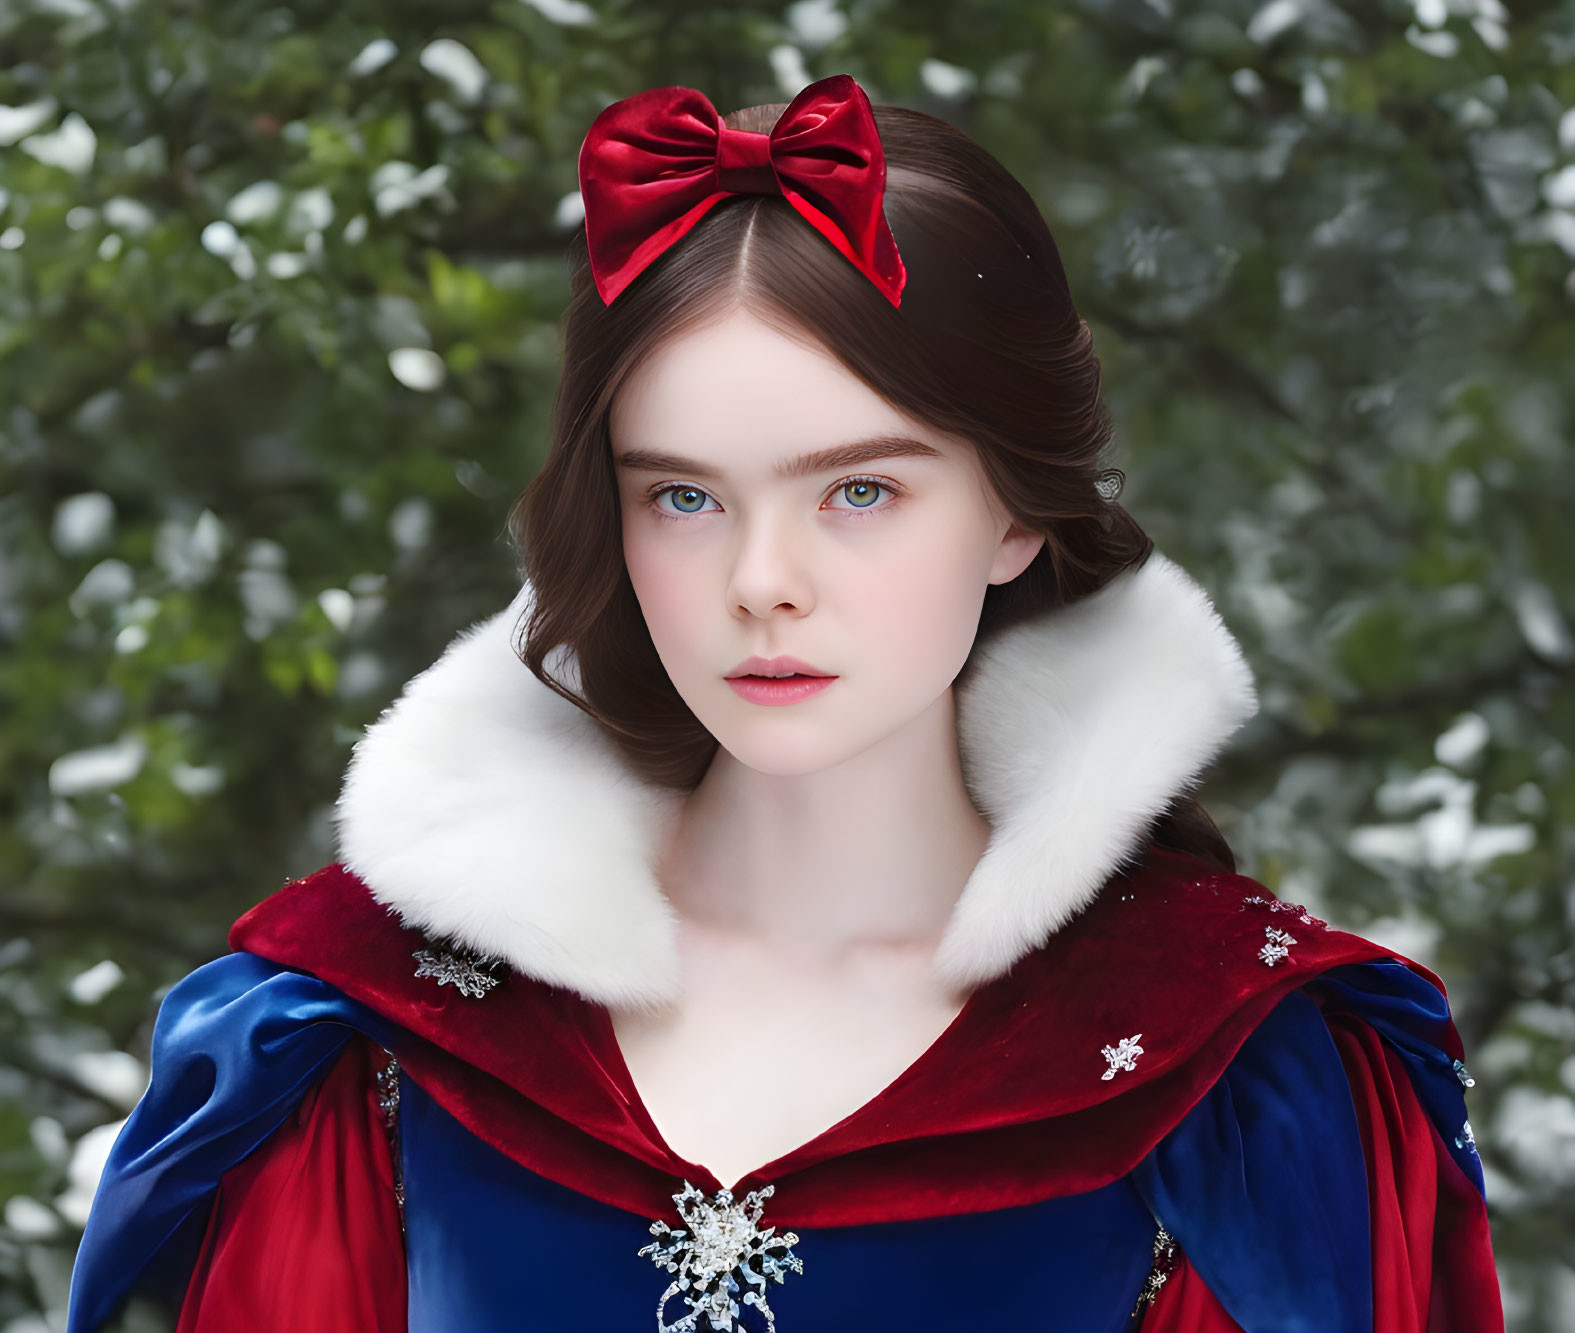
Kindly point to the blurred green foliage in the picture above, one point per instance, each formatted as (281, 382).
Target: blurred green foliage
(279, 290)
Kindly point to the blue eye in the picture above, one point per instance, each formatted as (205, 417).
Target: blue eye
(861, 493)
(864, 485)
(681, 496)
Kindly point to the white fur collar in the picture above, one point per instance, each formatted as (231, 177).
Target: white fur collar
(484, 808)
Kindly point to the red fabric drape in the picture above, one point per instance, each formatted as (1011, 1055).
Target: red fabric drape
(1433, 1269)
(963, 1130)
(304, 1235)
(1186, 1305)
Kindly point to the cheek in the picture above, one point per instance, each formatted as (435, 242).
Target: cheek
(668, 591)
(921, 611)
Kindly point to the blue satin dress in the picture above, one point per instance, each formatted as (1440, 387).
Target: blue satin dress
(1262, 1184)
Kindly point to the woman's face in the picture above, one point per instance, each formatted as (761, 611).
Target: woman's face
(872, 569)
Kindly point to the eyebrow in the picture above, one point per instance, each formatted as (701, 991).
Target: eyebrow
(838, 456)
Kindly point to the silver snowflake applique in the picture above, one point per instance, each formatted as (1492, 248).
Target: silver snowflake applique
(722, 1253)
(1466, 1139)
(469, 972)
(1123, 1055)
(1275, 905)
(1278, 947)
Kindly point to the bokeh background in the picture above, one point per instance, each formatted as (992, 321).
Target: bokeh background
(279, 291)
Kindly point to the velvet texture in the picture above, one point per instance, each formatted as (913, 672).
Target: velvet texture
(304, 1233)
(1432, 1252)
(1431, 1263)
(489, 1240)
(1007, 1107)
(236, 1044)
(239, 1043)
(652, 165)
(1269, 1225)
(1280, 1229)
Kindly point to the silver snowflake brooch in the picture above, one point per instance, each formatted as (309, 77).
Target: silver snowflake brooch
(1278, 947)
(469, 972)
(1123, 1055)
(721, 1254)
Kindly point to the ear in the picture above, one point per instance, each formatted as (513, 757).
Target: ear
(1015, 553)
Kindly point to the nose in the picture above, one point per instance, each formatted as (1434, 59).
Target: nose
(770, 569)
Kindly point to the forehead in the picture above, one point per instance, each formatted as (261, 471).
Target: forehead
(741, 389)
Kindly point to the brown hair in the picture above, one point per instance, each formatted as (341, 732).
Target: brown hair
(987, 345)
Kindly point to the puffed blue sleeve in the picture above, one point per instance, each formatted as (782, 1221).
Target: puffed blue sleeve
(1412, 1017)
(1264, 1183)
(236, 1045)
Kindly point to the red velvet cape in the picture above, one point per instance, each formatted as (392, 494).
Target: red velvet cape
(1008, 1106)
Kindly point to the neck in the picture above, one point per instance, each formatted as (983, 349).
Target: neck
(871, 853)
(484, 808)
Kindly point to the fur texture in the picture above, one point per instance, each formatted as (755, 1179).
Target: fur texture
(483, 808)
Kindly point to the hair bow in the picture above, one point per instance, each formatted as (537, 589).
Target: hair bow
(653, 164)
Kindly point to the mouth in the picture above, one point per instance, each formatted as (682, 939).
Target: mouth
(778, 689)
(777, 668)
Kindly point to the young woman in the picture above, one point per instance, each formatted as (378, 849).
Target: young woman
(792, 910)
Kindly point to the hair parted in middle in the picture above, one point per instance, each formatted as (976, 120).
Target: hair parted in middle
(987, 345)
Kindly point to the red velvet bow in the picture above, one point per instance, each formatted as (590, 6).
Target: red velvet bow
(654, 163)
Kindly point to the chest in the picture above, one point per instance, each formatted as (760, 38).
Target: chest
(760, 1057)
(493, 1245)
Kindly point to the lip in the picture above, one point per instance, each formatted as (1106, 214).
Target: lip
(776, 666)
(758, 690)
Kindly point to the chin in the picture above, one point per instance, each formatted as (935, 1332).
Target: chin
(789, 748)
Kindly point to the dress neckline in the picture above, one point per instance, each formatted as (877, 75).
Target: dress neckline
(603, 1040)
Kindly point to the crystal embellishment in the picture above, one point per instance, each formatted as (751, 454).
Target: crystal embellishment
(1278, 947)
(388, 1103)
(1123, 1055)
(1466, 1139)
(1466, 1081)
(469, 972)
(1275, 905)
(721, 1254)
(1165, 1259)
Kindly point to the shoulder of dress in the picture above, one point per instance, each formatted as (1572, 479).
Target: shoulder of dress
(1300, 963)
(1177, 901)
(332, 896)
(329, 924)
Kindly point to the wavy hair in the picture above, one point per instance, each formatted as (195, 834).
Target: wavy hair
(987, 345)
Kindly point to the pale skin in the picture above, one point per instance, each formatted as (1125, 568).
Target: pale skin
(815, 866)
